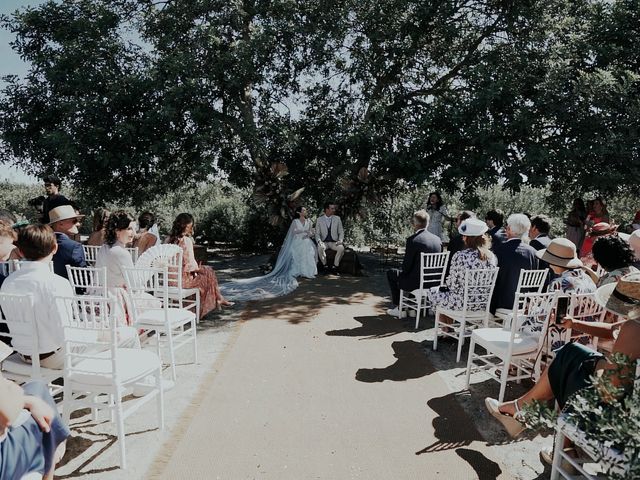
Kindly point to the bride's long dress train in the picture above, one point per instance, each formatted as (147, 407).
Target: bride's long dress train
(297, 258)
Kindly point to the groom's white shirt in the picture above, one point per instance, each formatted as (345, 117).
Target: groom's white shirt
(322, 228)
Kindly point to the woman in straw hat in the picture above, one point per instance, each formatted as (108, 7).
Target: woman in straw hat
(574, 364)
(475, 255)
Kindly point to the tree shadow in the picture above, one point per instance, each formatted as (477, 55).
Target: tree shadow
(411, 363)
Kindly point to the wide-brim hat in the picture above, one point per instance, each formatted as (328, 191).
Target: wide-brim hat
(63, 212)
(621, 297)
(602, 228)
(561, 252)
(472, 227)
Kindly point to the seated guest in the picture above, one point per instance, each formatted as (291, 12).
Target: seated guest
(634, 243)
(38, 245)
(7, 237)
(495, 219)
(457, 243)
(148, 235)
(615, 256)
(32, 434)
(115, 257)
(476, 255)
(53, 199)
(64, 221)
(513, 256)
(575, 365)
(408, 279)
(598, 230)
(100, 218)
(193, 274)
(539, 232)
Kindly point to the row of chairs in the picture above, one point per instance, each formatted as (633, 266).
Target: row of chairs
(91, 253)
(97, 371)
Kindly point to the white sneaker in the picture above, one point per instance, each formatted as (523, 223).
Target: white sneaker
(412, 313)
(395, 312)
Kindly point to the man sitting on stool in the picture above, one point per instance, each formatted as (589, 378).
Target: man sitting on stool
(330, 234)
(408, 278)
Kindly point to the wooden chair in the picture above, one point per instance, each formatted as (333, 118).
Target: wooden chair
(505, 348)
(433, 267)
(478, 288)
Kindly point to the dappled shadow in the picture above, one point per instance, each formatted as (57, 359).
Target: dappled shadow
(411, 363)
(378, 326)
(485, 469)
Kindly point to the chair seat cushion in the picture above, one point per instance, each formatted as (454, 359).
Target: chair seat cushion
(175, 292)
(177, 316)
(497, 340)
(14, 364)
(132, 365)
(478, 315)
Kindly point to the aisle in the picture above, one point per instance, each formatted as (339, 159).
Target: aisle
(320, 385)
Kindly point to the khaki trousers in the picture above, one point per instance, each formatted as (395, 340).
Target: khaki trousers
(322, 252)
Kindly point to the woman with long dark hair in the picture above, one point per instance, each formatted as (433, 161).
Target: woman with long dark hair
(194, 275)
(437, 214)
(148, 234)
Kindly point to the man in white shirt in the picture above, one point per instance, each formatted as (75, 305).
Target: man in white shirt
(330, 234)
(37, 243)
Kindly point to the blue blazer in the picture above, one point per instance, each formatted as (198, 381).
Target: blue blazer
(420, 242)
(69, 252)
(513, 256)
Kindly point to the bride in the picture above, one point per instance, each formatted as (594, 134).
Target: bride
(297, 258)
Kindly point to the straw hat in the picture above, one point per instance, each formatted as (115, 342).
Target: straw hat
(621, 297)
(560, 252)
(472, 227)
(63, 212)
(602, 228)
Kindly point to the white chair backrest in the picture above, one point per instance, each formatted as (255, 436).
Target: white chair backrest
(531, 281)
(133, 251)
(19, 263)
(584, 306)
(90, 253)
(478, 288)
(90, 279)
(599, 270)
(18, 316)
(141, 280)
(165, 255)
(89, 333)
(536, 308)
(433, 269)
(8, 267)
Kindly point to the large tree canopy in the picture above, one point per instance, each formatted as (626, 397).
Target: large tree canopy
(130, 98)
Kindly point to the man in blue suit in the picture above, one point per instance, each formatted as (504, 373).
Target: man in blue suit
(64, 221)
(513, 255)
(408, 279)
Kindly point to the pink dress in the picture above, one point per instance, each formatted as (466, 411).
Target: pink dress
(201, 277)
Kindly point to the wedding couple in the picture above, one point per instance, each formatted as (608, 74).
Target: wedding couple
(298, 257)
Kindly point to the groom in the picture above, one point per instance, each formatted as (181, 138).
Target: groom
(330, 234)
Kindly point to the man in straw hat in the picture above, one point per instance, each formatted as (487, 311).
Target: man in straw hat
(64, 220)
(575, 364)
(32, 434)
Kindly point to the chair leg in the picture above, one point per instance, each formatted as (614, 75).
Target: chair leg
(67, 402)
(160, 398)
(504, 377)
(195, 341)
(197, 306)
(436, 329)
(172, 354)
(472, 346)
(418, 309)
(557, 454)
(401, 303)
(120, 427)
(460, 340)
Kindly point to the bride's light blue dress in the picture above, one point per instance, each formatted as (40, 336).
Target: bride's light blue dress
(297, 258)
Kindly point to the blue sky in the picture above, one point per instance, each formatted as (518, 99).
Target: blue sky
(11, 64)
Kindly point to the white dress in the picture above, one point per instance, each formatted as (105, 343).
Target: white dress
(297, 258)
(303, 250)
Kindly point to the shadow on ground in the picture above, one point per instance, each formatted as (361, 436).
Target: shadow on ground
(410, 363)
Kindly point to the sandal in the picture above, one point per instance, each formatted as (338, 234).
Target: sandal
(512, 425)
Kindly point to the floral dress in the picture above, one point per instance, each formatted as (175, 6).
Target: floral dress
(453, 296)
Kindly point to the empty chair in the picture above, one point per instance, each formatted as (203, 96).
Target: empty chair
(98, 373)
(514, 346)
(18, 317)
(166, 320)
(530, 281)
(433, 267)
(171, 257)
(478, 288)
